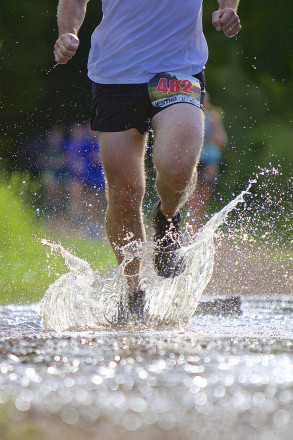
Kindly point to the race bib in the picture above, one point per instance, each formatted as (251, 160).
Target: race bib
(170, 87)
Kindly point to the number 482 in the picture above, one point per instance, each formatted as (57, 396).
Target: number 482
(174, 86)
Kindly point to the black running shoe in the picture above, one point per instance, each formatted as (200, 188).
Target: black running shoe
(135, 305)
(133, 309)
(169, 239)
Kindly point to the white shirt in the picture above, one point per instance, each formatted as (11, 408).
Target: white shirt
(138, 38)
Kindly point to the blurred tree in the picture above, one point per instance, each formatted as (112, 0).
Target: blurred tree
(33, 96)
(25, 42)
(250, 77)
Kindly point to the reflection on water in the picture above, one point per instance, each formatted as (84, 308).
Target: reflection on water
(210, 379)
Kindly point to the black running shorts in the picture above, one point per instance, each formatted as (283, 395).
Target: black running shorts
(119, 107)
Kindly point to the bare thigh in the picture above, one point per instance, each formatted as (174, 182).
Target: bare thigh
(178, 138)
(122, 155)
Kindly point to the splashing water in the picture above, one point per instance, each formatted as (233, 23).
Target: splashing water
(85, 299)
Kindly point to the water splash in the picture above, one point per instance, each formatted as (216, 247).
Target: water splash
(82, 298)
(85, 299)
(175, 300)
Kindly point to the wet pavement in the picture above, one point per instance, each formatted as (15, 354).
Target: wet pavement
(217, 378)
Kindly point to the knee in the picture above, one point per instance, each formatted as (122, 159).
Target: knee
(177, 176)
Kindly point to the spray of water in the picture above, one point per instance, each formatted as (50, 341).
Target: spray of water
(254, 245)
(85, 299)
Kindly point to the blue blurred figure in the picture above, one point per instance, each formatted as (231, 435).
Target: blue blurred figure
(85, 177)
(52, 161)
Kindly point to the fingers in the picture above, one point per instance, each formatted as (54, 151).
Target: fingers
(216, 20)
(230, 23)
(226, 20)
(65, 48)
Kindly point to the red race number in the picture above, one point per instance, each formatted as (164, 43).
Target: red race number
(187, 87)
(175, 86)
(163, 86)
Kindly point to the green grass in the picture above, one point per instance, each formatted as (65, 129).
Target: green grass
(12, 429)
(27, 267)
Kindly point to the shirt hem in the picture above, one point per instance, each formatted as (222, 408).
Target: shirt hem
(140, 80)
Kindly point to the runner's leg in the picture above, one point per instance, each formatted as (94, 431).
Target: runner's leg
(178, 138)
(197, 204)
(123, 160)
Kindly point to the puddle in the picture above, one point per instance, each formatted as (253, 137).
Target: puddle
(203, 380)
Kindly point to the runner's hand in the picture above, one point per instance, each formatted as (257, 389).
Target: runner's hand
(65, 48)
(226, 20)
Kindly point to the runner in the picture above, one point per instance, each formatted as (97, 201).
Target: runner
(146, 65)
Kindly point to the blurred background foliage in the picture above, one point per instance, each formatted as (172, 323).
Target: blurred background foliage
(27, 267)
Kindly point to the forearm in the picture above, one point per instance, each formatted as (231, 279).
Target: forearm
(70, 15)
(233, 4)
